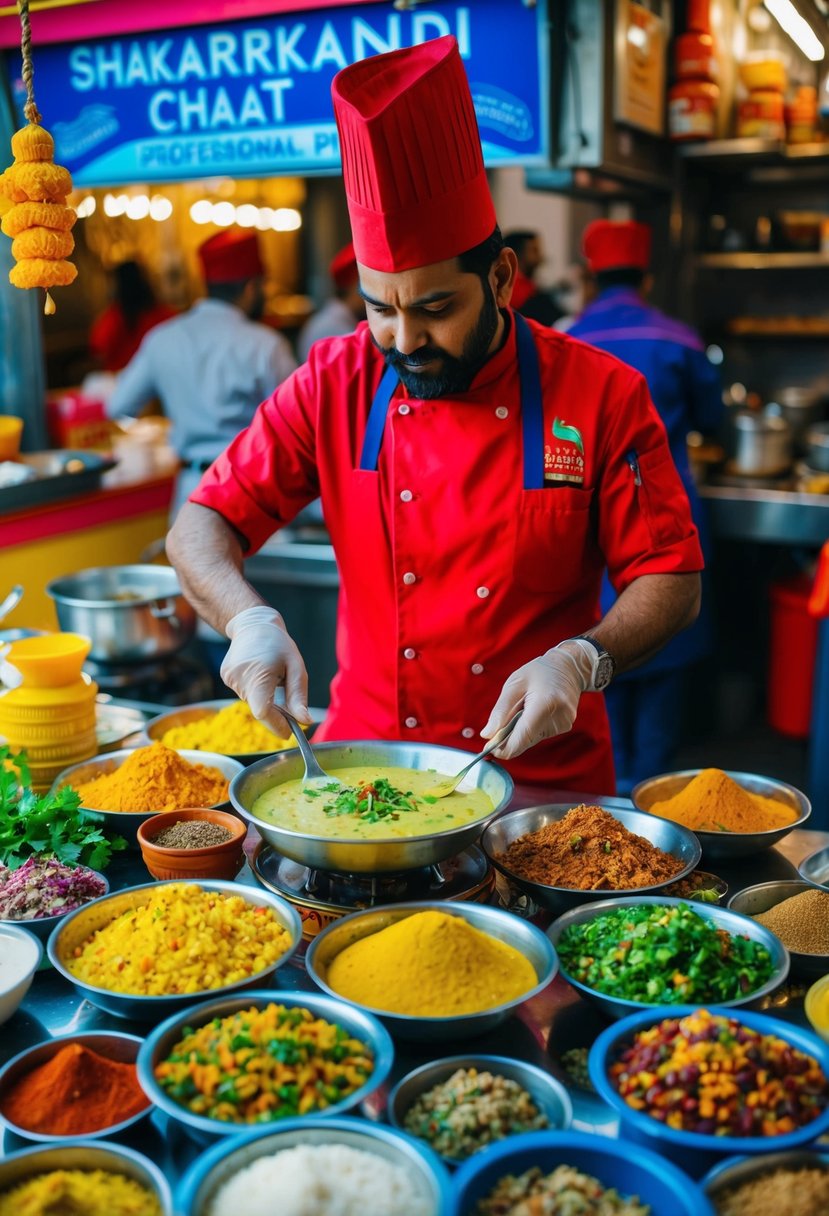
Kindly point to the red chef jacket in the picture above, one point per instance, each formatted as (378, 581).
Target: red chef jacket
(452, 573)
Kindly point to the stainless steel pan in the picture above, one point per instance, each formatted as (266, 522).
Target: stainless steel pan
(369, 856)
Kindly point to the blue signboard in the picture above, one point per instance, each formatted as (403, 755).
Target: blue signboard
(252, 98)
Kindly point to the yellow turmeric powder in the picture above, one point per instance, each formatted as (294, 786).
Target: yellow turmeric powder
(230, 731)
(713, 802)
(154, 778)
(431, 964)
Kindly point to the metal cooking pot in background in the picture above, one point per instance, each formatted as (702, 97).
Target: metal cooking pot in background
(800, 406)
(817, 447)
(131, 613)
(762, 444)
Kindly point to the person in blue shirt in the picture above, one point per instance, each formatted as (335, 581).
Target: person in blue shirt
(645, 705)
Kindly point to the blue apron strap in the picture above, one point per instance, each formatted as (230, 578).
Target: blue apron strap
(532, 410)
(373, 438)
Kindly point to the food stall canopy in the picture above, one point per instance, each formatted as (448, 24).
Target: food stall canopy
(251, 97)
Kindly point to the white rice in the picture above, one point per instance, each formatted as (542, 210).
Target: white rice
(321, 1180)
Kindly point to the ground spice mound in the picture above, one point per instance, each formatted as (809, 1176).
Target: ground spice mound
(154, 778)
(713, 802)
(801, 922)
(589, 850)
(803, 1192)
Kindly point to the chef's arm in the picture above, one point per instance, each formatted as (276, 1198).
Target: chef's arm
(646, 615)
(134, 387)
(208, 554)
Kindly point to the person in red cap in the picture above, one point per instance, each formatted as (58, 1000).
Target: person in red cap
(477, 472)
(645, 705)
(211, 366)
(343, 311)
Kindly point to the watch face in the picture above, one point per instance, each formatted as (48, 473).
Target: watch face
(604, 672)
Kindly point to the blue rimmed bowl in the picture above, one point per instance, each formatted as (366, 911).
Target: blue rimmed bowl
(77, 926)
(503, 926)
(732, 922)
(202, 1181)
(548, 1094)
(629, 1168)
(109, 1043)
(86, 1155)
(696, 1151)
(163, 1039)
(737, 1171)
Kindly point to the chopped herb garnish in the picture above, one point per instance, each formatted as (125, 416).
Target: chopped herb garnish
(373, 802)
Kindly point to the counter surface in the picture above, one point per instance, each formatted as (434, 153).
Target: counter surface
(551, 1023)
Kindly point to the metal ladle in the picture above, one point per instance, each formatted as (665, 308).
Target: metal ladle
(314, 776)
(450, 784)
(11, 601)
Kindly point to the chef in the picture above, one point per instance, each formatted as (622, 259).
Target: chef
(477, 473)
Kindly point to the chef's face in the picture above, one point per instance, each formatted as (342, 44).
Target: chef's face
(437, 325)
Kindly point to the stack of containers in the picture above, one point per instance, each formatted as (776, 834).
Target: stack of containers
(693, 100)
(51, 715)
(761, 115)
(801, 116)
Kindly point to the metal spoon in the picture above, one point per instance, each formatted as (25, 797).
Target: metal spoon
(11, 601)
(450, 784)
(314, 776)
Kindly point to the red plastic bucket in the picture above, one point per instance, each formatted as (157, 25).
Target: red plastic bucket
(792, 657)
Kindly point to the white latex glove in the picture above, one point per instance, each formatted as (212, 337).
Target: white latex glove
(263, 657)
(10, 677)
(549, 689)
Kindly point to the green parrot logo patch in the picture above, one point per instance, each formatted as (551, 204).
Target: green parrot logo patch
(569, 433)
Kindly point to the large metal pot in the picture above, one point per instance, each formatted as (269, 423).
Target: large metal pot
(762, 444)
(800, 406)
(817, 447)
(369, 856)
(131, 613)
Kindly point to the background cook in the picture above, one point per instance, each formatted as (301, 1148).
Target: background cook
(477, 472)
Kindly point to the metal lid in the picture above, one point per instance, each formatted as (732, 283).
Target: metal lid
(760, 424)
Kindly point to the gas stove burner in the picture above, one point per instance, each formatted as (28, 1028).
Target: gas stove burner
(173, 681)
(322, 896)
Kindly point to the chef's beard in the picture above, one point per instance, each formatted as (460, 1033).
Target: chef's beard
(455, 373)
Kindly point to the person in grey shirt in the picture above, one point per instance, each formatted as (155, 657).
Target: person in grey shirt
(343, 311)
(213, 365)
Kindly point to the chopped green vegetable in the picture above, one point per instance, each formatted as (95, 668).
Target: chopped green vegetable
(371, 803)
(50, 824)
(663, 954)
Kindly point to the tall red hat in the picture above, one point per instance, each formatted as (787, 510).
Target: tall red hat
(412, 163)
(617, 245)
(230, 256)
(343, 267)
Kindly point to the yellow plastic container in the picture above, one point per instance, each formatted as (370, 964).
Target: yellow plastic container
(52, 660)
(763, 70)
(11, 433)
(817, 1007)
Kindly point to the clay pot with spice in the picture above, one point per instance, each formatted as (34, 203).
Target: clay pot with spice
(73, 1085)
(193, 843)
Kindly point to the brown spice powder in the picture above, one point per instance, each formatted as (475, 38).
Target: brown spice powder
(589, 850)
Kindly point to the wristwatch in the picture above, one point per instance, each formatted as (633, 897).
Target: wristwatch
(604, 664)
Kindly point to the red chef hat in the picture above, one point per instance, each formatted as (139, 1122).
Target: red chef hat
(230, 256)
(617, 245)
(343, 267)
(412, 164)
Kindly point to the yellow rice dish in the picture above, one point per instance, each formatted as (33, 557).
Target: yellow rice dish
(79, 1193)
(181, 941)
(232, 731)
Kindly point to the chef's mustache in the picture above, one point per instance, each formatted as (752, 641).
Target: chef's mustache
(417, 358)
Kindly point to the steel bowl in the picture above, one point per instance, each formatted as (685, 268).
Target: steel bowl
(814, 869)
(184, 715)
(520, 934)
(628, 1168)
(217, 1166)
(764, 895)
(619, 1007)
(511, 825)
(697, 1152)
(549, 1095)
(736, 1171)
(78, 926)
(369, 856)
(164, 1038)
(17, 977)
(86, 1155)
(127, 823)
(130, 613)
(109, 1043)
(42, 926)
(727, 846)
